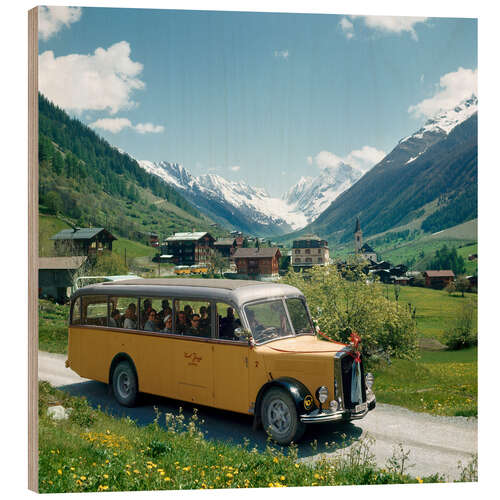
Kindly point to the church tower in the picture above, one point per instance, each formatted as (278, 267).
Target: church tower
(358, 237)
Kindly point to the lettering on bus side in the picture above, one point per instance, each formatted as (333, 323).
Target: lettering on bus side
(195, 359)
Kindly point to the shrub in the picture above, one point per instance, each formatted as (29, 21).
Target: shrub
(463, 332)
(341, 304)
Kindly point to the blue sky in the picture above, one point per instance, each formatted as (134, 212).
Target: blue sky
(258, 97)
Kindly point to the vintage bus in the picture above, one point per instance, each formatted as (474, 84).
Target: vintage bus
(244, 346)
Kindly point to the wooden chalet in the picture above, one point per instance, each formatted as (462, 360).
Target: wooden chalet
(89, 241)
(226, 246)
(188, 249)
(257, 263)
(438, 279)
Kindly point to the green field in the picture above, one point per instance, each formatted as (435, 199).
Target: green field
(435, 309)
(93, 451)
(133, 249)
(52, 327)
(48, 225)
(441, 383)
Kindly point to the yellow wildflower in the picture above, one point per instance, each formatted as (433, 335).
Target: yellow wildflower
(275, 460)
(167, 479)
(59, 471)
(105, 476)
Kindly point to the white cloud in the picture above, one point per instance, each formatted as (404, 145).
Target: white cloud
(347, 27)
(453, 88)
(115, 125)
(53, 19)
(309, 160)
(235, 168)
(149, 128)
(283, 54)
(394, 24)
(384, 24)
(100, 81)
(361, 159)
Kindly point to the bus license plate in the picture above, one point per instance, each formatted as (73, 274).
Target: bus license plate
(361, 407)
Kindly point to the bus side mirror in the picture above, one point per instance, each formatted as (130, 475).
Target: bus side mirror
(244, 334)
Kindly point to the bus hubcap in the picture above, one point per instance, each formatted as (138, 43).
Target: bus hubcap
(123, 384)
(278, 415)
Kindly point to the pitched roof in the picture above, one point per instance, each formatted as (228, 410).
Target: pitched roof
(440, 274)
(187, 236)
(255, 253)
(61, 262)
(225, 242)
(367, 248)
(81, 233)
(308, 237)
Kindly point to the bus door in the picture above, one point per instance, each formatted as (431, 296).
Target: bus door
(193, 355)
(230, 361)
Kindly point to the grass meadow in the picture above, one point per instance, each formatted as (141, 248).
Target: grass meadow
(92, 451)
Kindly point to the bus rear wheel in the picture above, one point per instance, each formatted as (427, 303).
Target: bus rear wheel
(125, 384)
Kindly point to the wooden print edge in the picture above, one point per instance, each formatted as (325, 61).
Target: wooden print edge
(33, 249)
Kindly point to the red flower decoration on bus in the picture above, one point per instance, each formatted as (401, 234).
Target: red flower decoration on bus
(355, 343)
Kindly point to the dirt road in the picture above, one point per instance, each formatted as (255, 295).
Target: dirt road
(437, 444)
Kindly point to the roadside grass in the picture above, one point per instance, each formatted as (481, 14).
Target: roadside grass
(52, 326)
(441, 383)
(92, 451)
(436, 310)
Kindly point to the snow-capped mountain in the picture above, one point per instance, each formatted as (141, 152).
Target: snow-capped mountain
(312, 195)
(236, 204)
(437, 128)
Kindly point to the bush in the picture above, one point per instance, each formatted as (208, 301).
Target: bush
(343, 304)
(463, 332)
(109, 264)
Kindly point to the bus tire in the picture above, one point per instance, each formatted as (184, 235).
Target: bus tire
(279, 417)
(125, 384)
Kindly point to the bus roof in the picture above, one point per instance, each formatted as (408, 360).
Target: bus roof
(237, 292)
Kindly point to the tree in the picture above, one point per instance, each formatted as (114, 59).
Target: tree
(218, 262)
(446, 258)
(341, 305)
(53, 202)
(462, 285)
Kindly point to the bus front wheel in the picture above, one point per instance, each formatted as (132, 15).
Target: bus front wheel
(125, 384)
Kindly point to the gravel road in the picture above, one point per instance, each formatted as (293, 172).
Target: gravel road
(436, 443)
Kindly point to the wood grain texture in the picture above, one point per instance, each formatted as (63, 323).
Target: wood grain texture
(33, 249)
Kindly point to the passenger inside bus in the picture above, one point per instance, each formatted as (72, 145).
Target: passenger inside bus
(181, 325)
(150, 325)
(168, 324)
(115, 319)
(130, 318)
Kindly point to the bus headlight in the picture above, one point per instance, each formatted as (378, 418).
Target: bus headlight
(334, 406)
(369, 381)
(322, 394)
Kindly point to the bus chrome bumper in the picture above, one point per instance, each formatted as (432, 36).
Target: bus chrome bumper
(318, 416)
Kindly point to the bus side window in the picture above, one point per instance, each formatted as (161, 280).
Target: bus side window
(95, 310)
(227, 320)
(75, 312)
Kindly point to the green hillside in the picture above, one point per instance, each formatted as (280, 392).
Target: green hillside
(90, 182)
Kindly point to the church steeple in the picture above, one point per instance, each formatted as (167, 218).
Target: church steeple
(358, 237)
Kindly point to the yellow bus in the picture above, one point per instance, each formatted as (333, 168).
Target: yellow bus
(244, 346)
(179, 270)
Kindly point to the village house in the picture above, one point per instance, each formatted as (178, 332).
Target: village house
(257, 263)
(90, 241)
(56, 276)
(226, 247)
(187, 249)
(309, 250)
(438, 279)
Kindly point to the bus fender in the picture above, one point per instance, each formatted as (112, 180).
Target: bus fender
(121, 356)
(296, 389)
